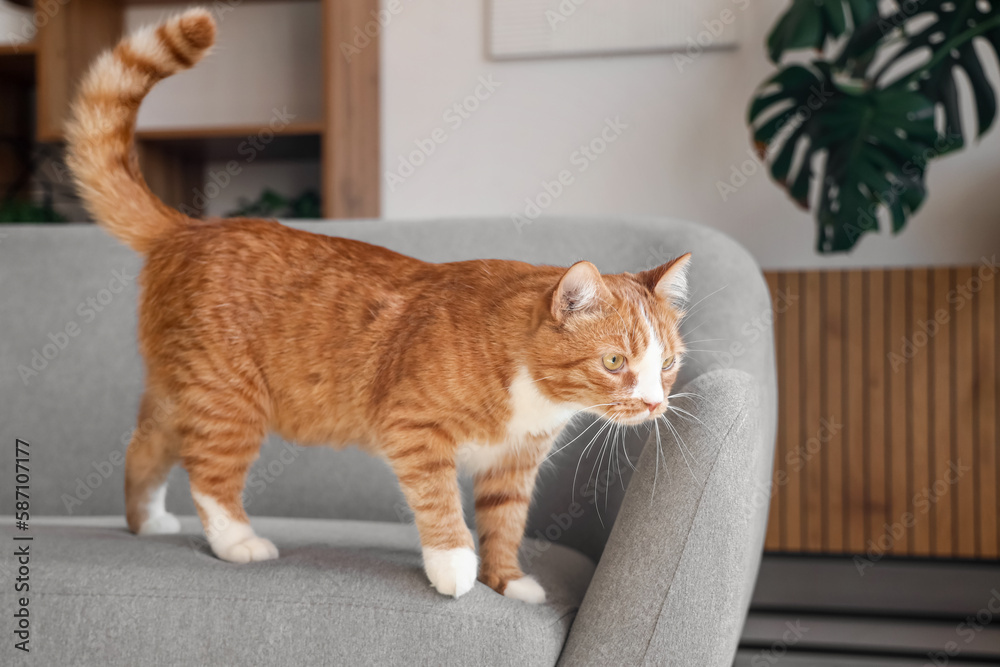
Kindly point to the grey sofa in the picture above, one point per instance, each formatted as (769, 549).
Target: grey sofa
(654, 566)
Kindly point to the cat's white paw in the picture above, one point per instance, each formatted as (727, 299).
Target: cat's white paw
(451, 571)
(160, 524)
(250, 549)
(526, 589)
(231, 540)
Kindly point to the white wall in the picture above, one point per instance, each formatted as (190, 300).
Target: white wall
(686, 131)
(16, 25)
(266, 57)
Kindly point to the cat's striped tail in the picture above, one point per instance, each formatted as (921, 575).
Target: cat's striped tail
(101, 132)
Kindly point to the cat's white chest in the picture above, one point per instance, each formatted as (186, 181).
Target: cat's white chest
(532, 414)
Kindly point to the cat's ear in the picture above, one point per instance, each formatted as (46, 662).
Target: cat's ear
(580, 288)
(669, 281)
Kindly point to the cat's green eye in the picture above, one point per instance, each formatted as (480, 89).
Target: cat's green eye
(668, 362)
(613, 361)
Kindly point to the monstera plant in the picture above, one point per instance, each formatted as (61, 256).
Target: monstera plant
(849, 131)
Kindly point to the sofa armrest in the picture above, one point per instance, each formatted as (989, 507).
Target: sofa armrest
(674, 582)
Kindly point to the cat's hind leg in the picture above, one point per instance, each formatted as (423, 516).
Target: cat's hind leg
(152, 452)
(221, 436)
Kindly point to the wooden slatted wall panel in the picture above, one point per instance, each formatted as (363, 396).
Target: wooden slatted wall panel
(888, 428)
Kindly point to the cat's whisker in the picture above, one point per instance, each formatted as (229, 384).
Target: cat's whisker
(625, 449)
(583, 454)
(686, 394)
(635, 429)
(613, 437)
(656, 470)
(673, 429)
(578, 412)
(688, 332)
(682, 448)
(690, 310)
(610, 436)
(681, 411)
(596, 490)
(691, 452)
(595, 477)
(589, 426)
(596, 405)
(618, 460)
(611, 460)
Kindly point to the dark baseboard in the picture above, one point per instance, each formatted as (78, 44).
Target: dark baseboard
(833, 611)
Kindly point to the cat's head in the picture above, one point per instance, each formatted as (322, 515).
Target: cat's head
(611, 344)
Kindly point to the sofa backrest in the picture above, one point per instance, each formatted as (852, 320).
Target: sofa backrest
(71, 375)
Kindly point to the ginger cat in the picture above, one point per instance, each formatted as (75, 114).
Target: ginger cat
(247, 326)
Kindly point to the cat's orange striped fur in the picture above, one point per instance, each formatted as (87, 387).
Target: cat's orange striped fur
(248, 326)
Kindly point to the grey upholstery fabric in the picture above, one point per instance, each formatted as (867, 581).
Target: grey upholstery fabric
(683, 555)
(69, 293)
(342, 593)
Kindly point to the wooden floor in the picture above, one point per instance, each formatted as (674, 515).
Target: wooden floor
(888, 383)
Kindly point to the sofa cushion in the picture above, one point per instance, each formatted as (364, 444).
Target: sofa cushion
(342, 592)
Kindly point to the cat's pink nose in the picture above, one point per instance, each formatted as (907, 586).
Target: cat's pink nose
(653, 406)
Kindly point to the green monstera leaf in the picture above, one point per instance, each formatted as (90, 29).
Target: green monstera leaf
(865, 149)
(850, 134)
(878, 144)
(947, 31)
(808, 23)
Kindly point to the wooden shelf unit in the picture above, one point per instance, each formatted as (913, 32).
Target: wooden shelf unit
(25, 48)
(345, 141)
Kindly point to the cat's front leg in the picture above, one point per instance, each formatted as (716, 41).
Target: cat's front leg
(424, 461)
(503, 495)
